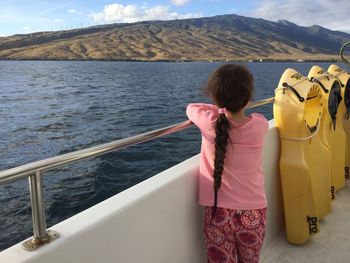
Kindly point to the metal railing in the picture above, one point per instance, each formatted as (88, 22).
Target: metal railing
(341, 53)
(35, 173)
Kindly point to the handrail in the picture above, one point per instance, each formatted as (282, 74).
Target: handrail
(342, 53)
(23, 171)
(35, 172)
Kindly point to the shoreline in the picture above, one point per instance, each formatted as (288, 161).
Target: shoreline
(181, 61)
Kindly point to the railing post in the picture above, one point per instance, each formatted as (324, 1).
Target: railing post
(38, 206)
(40, 235)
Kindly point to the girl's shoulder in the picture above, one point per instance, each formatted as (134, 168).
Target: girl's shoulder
(259, 119)
(259, 116)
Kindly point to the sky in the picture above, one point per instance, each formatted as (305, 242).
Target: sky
(26, 16)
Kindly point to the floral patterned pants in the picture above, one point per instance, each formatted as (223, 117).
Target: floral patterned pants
(234, 236)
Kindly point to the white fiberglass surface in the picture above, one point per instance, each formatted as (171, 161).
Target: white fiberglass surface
(157, 220)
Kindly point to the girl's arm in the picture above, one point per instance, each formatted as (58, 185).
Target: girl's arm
(201, 114)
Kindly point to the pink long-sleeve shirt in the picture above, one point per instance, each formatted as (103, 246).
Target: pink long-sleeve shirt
(242, 184)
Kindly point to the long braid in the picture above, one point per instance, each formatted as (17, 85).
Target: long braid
(221, 130)
(230, 86)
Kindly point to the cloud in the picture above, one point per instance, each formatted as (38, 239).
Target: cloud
(26, 29)
(57, 20)
(118, 13)
(179, 2)
(73, 11)
(329, 14)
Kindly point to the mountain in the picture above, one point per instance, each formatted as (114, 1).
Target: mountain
(226, 37)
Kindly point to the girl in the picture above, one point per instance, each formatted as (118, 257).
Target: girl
(231, 182)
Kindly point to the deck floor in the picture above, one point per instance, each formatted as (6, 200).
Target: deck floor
(331, 244)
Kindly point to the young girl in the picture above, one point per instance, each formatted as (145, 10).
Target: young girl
(231, 182)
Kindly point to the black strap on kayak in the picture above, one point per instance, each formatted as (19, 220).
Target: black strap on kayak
(341, 83)
(286, 86)
(334, 101)
(347, 99)
(319, 83)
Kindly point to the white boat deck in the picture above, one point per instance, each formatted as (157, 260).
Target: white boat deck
(331, 244)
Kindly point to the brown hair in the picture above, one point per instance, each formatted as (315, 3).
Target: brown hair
(231, 87)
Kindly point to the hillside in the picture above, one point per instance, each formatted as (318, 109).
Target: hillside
(227, 37)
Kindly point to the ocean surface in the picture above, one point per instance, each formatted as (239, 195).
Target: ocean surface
(49, 108)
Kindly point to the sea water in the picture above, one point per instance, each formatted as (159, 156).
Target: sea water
(49, 108)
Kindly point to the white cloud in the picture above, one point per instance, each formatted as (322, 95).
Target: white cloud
(57, 20)
(73, 11)
(118, 13)
(26, 29)
(325, 13)
(179, 2)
